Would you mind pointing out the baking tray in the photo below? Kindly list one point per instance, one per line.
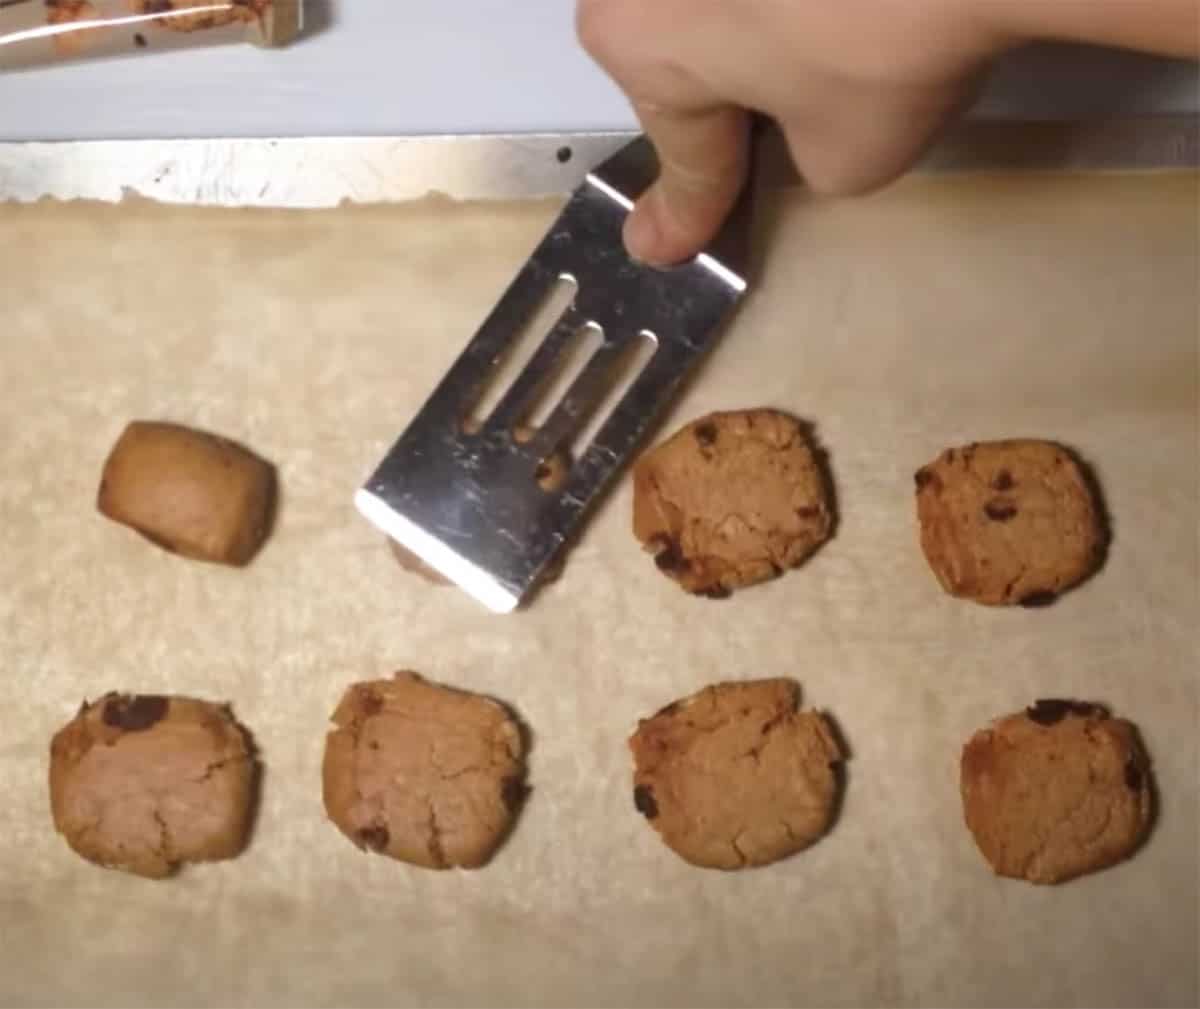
(950, 307)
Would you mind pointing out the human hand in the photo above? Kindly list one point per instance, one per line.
(859, 88)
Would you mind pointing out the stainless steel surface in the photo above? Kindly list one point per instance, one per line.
(467, 502)
(323, 172)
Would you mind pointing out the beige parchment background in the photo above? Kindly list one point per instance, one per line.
(939, 312)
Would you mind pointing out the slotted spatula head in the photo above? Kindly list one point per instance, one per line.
(464, 495)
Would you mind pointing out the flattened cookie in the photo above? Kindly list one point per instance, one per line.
(1056, 791)
(193, 493)
(730, 500)
(1008, 522)
(144, 783)
(423, 773)
(736, 775)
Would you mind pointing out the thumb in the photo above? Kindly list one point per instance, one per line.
(703, 156)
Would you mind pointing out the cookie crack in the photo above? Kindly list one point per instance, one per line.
(437, 852)
(455, 775)
(1044, 842)
(218, 765)
(737, 849)
(461, 772)
(1015, 578)
(164, 847)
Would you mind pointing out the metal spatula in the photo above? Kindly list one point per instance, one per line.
(465, 496)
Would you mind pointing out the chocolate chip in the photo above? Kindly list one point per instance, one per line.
(808, 512)
(139, 40)
(715, 592)
(923, 477)
(1000, 511)
(643, 802)
(513, 792)
(1133, 775)
(670, 709)
(375, 838)
(372, 703)
(157, 6)
(706, 433)
(1048, 711)
(134, 713)
(1003, 480)
(667, 557)
(1038, 599)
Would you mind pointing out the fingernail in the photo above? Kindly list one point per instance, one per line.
(642, 237)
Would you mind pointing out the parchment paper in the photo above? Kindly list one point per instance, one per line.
(938, 312)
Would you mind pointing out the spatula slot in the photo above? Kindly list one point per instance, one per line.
(574, 357)
(516, 354)
(627, 362)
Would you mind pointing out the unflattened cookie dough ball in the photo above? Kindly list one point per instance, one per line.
(1007, 522)
(423, 773)
(193, 493)
(1056, 791)
(736, 775)
(730, 500)
(145, 783)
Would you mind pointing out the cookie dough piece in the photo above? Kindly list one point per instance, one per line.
(1056, 791)
(736, 775)
(423, 773)
(1008, 522)
(193, 17)
(193, 493)
(61, 12)
(414, 565)
(144, 783)
(730, 500)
